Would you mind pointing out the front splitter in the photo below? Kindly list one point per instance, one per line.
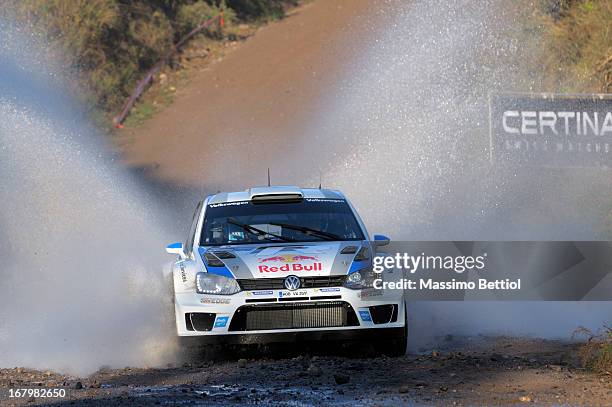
(291, 337)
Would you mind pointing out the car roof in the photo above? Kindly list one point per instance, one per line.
(247, 195)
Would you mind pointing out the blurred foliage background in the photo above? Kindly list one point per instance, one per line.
(111, 43)
(577, 44)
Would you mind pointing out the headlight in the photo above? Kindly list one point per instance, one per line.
(207, 283)
(361, 279)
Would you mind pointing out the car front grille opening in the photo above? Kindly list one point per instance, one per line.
(326, 297)
(199, 321)
(289, 299)
(279, 283)
(384, 314)
(260, 300)
(293, 316)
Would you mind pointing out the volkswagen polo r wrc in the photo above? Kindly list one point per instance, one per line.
(280, 264)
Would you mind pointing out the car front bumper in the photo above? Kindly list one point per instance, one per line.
(278, 315)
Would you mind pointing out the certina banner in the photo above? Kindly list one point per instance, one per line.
(555, 271)
(551, 130)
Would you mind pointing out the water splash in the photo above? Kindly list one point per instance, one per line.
(80, 244)
(406, 138)
(409, 127)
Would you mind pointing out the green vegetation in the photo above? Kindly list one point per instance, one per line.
(596, 353)
(250, 9)
(577, 44)
(111, 43)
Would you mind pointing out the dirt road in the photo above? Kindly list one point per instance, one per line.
(466, 371)
(237, 116)
(233, 121)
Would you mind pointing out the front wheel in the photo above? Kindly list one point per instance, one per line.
(396, 347)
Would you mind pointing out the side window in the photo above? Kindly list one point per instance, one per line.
(192, 229)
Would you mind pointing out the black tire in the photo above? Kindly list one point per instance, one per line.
(191, 350)
(397, 347)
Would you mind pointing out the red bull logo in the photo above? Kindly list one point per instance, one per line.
(292, 263)
(291, 267)
(288, 258)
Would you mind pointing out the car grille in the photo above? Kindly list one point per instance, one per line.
(279, 283)
(293, 316)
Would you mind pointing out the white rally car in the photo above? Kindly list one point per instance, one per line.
(277, 264)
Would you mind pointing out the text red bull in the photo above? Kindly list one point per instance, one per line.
(291, 267)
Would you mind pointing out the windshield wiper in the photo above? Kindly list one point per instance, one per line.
(309, 231)
(257, 232)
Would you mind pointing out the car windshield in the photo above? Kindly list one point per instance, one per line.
(308, 220)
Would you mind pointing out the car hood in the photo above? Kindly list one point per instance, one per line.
(277, 261)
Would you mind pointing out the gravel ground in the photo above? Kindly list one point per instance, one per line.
(464, 371)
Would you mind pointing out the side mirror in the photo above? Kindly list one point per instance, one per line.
(381, 240)
(176, 248)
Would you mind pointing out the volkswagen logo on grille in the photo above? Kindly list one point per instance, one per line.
(292, 283)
